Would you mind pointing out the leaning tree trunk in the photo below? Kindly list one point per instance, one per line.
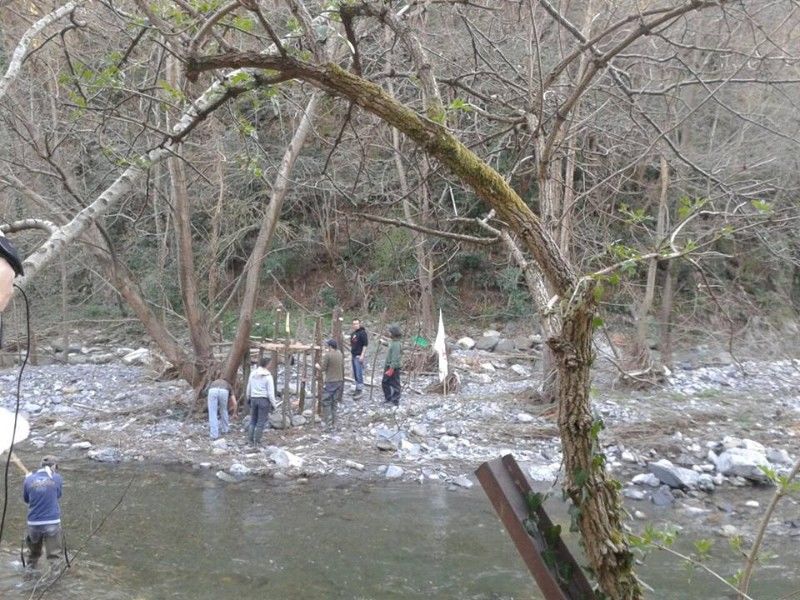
(599, 511)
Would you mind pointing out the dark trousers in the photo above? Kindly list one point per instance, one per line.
(391, 387)
(331, 394)
(48, 536)
(259, 415)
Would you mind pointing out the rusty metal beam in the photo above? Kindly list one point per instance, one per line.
(532, 532)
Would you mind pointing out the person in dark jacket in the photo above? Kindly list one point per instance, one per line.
(391, 368)
(359, 340)
(41, 491)
(10, 267)
(332, 367)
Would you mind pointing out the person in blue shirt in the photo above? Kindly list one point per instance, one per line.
(41, 492)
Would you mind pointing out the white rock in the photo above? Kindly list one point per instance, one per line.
(639, 515)
(284, 459)
(393, 472)
(466, 342)
(220, 443)
(524, 417)
(138, 357)
(744, 463)
(646, 479)
(673, 476)
(488, 367)
(628, 456)
(633, 494)
(520, 370)
(779, 457)
(753, 445)
(544, 472)
(752, 503)
(463, 481)
(81, 445)
(351, 464)
(728, 531)
(491, 333)
(226, 477)
(239, 470)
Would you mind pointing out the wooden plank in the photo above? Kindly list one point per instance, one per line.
(555, 570)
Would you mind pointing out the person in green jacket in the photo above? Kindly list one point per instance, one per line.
(391, 368)
(333, 368)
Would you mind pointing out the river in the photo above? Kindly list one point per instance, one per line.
(184, 534)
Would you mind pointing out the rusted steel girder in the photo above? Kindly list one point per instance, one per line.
(556, 572)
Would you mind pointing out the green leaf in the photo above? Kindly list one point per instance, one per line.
(597, 322)
(459, 104)
(762, 206)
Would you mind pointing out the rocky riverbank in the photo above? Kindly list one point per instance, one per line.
(708, 431)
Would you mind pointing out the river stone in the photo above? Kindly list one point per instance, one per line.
(454, 428)
(351, 464)
(388, 439)
(488, 367)
(298, 420)
(646, 479)
(110, 455)
(705, 483)
(505, 345)
(674, 477)
(466, 342)
(81, 445)
(239, 470)
(752, 504)
(728, 531)
(487, 342)
(633, 494)
(30, 407)
(393, 472)
(779, 457)
(743, 463)
(544, 472)
(220, 443)
(419, 430)
(284, 459)
(276, 420)
(463, 481)
(662, 496)
(226, 477)
(524, 417)
(138, 357)
(520, 370)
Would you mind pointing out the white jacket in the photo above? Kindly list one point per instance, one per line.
(260, 385)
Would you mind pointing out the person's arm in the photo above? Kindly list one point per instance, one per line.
(25, 496)
(365, 340)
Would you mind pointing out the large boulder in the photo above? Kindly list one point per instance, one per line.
(284, 459)
(487, 343)
(744, 463)
(505, 345)
(673, 476)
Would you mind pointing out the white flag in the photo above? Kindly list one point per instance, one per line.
(441, 348)
(7, 432)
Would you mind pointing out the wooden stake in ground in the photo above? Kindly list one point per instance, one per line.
(377, 350)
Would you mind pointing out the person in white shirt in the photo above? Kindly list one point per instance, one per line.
(261, 396)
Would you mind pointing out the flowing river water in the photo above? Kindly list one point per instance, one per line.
(184, 534)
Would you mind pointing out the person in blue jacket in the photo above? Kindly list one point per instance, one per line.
(42, 491)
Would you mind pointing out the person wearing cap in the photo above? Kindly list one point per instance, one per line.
(42, 492)
(391, 368)
(332, 366)
(261, 395)
(10, 267)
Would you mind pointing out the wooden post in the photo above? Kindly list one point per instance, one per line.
(316, 376)
(301, 381)
(286, 374)
(336, 326)
(273, 367)
(33, 355)
(377, 342)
